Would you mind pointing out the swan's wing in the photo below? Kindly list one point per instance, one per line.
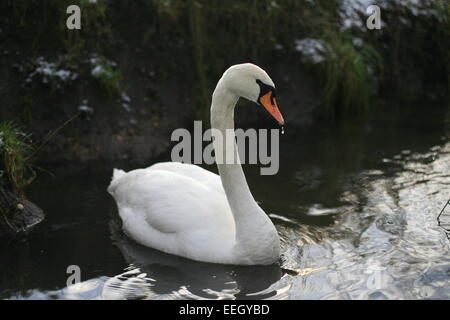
(201, 175)
(170, 202)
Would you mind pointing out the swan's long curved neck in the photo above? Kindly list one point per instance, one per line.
(249, 218)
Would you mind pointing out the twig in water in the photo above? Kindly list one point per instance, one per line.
(442, 211)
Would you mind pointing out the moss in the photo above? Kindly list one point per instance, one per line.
(108, 76)
(15, 169)
(346, 75)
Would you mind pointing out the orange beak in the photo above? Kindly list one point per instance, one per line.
(270, 104)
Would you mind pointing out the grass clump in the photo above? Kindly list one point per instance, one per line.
(346, 75)
(15, 169)
(108, 76)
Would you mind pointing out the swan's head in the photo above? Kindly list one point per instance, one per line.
(253, 83)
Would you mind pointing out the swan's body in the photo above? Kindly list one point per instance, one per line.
(188, 211)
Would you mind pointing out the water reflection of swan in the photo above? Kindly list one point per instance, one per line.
(154, 274)
(185, 210)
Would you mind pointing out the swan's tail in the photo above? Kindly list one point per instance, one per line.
(117, 173)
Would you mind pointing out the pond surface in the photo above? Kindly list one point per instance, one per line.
(355, 203)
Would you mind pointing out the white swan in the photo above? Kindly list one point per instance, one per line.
(188, 211)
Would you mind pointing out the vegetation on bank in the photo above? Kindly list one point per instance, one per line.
(17, 214)
(15, 174)
(15, 150)
(197, 39)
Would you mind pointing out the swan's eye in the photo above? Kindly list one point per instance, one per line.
(264, 89)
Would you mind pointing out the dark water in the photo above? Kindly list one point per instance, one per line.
(356, 205)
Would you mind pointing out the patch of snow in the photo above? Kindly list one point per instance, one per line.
(125, 97)
(278, 46)
(312, 49)
(86, 109)
(94, 60)
(98, 65)
(126, 106)
(49, 71)
(126, 101)
(350, 10)
(97, 71)
(358, 42)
